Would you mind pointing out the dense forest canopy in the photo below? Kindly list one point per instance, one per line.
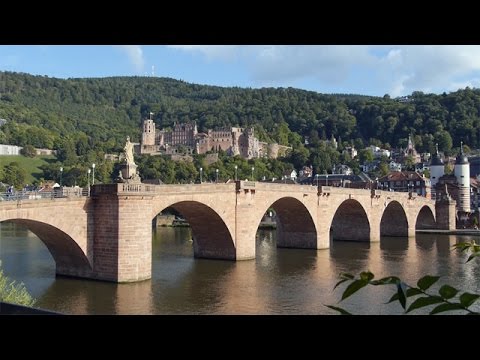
(84, 118)
(43, 109)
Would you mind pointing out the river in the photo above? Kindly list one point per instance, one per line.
(278, 281)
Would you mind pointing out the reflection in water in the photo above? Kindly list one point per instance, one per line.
(279, 281)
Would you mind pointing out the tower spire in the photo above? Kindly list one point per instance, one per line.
(436, 148)
(461, 147)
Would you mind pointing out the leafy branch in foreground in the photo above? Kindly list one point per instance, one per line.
(471, 246)
(14, 293)
(447, 299)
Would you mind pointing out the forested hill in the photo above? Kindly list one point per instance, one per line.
(99, 113)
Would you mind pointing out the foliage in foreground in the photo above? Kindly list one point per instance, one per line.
(14, 293)
(448, 298)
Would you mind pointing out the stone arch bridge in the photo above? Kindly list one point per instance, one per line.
(108, 236)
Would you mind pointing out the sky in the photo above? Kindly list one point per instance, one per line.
(352, 69)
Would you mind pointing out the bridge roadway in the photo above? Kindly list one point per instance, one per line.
(108, 236)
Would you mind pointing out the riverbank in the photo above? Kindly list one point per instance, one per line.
(449, 232)
(14, 309)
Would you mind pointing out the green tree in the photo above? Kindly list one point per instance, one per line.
(14, 293)
(409, 163)
(383, 167)
(14, 175)
(28, 151)
(365, 155)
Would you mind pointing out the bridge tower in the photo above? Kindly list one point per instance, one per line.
(445, 209)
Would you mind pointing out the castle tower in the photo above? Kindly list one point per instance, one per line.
(437, 170)
(462, 173)
(148, 134)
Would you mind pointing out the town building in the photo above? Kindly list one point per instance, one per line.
(405, 181)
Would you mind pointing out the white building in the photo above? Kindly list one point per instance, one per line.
(10, 149)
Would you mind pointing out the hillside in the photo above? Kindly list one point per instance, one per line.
(31, 165)
(84, 114)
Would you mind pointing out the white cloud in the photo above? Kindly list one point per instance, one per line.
(398, 70)
(330, 64)
(211, 52)
(432, 68)
(135, 55)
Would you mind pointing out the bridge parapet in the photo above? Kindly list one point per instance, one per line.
(122, 188)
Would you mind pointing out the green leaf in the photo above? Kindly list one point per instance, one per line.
(353, 288)
(472, 256)
(402, 298)
(393, 298)
(413, 292)
(409, 292)
(425, 282)
(446, 307)
(386, 281)
(340, 310)
(467, 299)
(462, 246)
(447, 292)
(424, 301)
(366, 276)
(340, 282)
(346, 276)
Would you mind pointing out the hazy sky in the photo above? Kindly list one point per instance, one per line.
(369, 70)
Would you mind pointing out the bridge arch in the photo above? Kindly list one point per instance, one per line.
(69, 257)
(211, 235)
(350, 222)
(295, 225)
(425, 219)
(394, 220)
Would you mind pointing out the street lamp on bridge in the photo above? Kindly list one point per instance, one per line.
(253, 169)
(236, 167)
(93, 174)
(201, 169)
(216, 175)
(61, 175)
(88, 180)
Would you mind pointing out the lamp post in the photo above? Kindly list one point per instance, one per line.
(88, 181)
(61, 175)
(326, 181)
(316, 177)
(216, 175)
(201, 169)
(93, 174)
(253, 169)
(236, 167)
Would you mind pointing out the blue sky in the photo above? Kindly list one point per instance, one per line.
(370, 70)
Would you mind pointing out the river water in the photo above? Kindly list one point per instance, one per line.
(278, 281)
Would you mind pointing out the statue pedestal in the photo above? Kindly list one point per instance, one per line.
(128, 174)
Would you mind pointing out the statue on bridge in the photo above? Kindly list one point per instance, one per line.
(128, 169)
(128, 152)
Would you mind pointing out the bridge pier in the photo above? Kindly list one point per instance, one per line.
(445, 210)
(122, 235)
